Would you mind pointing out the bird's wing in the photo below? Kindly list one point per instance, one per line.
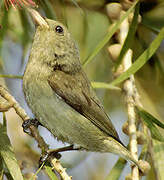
(78, 93)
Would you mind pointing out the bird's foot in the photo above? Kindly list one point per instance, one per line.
(55, 153)
(46, 156)
(30, 122)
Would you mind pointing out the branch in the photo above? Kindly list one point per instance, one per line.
(129, 89)
(128, 85)
(41, 143)
(57, 166)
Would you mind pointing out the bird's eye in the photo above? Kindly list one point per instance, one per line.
(59, 29)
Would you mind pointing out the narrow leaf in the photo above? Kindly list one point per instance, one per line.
(129, 39)
(146, 55)
(155, 58)
(103, 85)
(153, 129)
(109, 35)
(116, 170)
(10, 76)
(150, 117)
(50, 173)
(7, 154)
(35, 175)
(3, 25)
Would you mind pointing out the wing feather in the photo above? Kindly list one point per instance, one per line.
(78, 93)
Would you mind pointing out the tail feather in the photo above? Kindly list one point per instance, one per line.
(119, 149)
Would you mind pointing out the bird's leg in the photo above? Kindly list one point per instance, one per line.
(66, 148)
(30, 122)
(55, 153)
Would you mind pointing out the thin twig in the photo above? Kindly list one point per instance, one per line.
(4, 105)
(57, 166)
(128, 87)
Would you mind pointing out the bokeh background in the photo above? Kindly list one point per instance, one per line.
(88, 23)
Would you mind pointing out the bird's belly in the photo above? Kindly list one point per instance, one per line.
(62, 120)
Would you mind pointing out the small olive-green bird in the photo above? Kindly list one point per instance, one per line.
(61, 97)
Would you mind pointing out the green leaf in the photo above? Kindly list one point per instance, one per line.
(146, 55)
(11, 76)
(155, 58)
(116, 170)
(50, 173)
(103, 85)
(150, 117)
(129, 39)
(109, 35)
(7, 154)
(150, 124)
(35, 175)
(4, 24)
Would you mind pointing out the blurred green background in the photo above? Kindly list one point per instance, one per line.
(88, 23)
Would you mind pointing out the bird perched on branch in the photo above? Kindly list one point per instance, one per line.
(61, 97)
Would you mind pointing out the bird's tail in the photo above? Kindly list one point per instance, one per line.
(117, 148)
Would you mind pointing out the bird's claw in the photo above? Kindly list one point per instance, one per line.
(55, 153)
(27, 123)
(45, 157)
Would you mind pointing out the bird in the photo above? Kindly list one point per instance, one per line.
(61, 97)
